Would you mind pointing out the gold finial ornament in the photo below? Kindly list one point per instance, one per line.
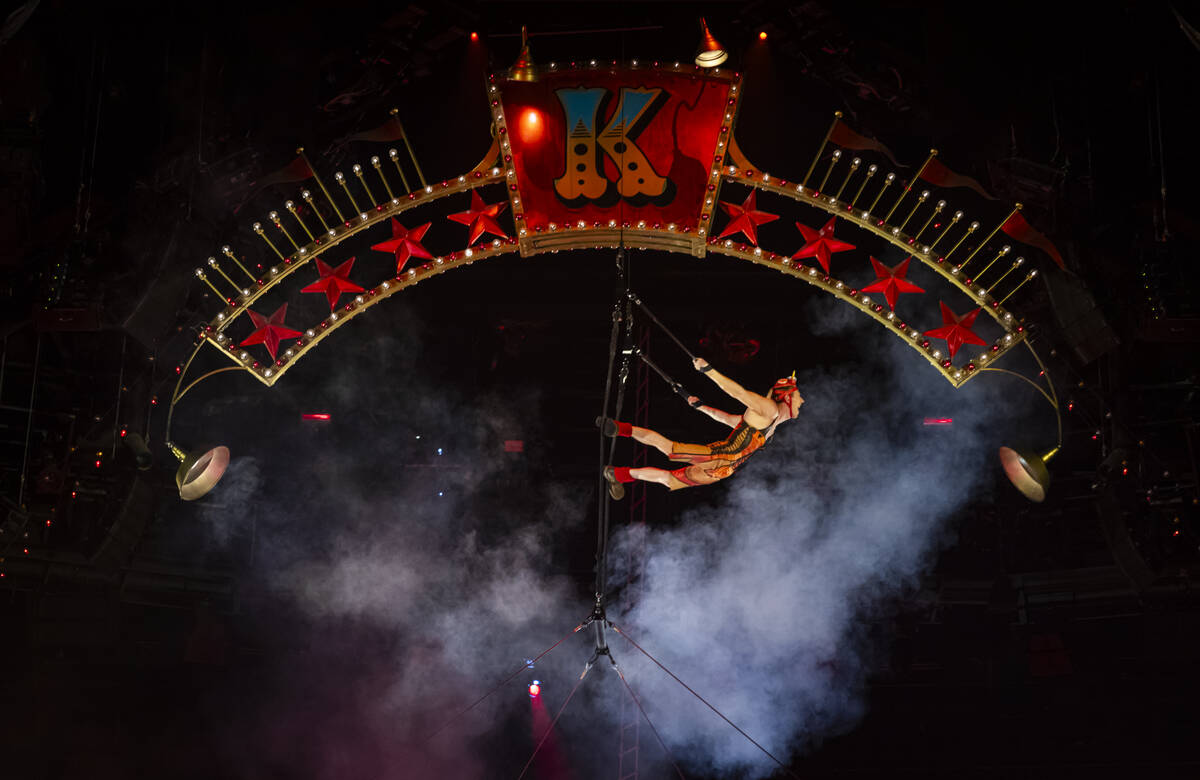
(711, 53)
(523, 69)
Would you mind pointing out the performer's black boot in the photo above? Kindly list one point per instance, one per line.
(615, 488)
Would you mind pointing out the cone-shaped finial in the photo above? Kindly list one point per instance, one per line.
(711, 53)
(1027, 471)
(523, 69)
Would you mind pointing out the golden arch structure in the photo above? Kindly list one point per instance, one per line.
(593, 155)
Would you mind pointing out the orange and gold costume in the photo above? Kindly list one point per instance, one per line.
(708, 463)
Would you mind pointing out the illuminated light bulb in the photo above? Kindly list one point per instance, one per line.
(245, 291)
(895, 231)
(469, 252)
(358, 299)
(332, 233)
(356, 168)
(256, 227)
(273, 216)
(837, 154)
(958, 215)
(338, 177)
(925, 195)
(891, 177)
(937, 354)
(973, 226)
(362, 217)
(394, 154)
(941, 204)
(220, 337)
(866, 215)
(200, 272)
(268, 372)
(303, 251)
(762, 36)
(220, 316)
(290, 205)
(310, 333)
(212, 261)
(386, 286)
(333, 316)
(244, 356)
(1005, 250)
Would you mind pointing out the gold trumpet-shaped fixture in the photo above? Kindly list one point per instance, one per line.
(523, 69)
(711, 53)
(199, 473)
(1027, 471)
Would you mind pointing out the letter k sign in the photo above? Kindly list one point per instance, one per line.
(583, 181)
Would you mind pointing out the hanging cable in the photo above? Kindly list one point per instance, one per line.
(688, 688)
(649, 723)
(506, 680)
(557, 715)
(658, 322)
(676, 387)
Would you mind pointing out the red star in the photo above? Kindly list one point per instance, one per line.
(956, 330)
(333, 282)
(745, 218)
(820, 243)
(405, 243)
(481, 217)
(891, 281)
(270, 331)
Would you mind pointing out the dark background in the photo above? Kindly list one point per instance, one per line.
(1050, 640)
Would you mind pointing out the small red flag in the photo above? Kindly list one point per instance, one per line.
(388, 131)
(1016, 227)
(297, 170)
(940, 176)
(843, 136)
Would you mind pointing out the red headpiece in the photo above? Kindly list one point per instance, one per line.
(784, 387)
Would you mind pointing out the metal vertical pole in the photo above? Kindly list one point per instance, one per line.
(630, 724)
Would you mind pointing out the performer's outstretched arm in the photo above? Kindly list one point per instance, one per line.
(722, 417)
(754, 402)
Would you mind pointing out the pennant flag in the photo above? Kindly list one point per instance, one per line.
(1193, 35)
(940, 176)
(297, 170)
(843, 136)
(1016, 227)
(388, 131)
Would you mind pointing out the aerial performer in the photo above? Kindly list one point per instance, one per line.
(709, 463)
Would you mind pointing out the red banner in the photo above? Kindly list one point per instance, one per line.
(617, 145)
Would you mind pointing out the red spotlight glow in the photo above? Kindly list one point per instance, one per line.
(762, 36)
(939, 420)
(532, 127)
(535, 689)
(315, 416)
(474, 36)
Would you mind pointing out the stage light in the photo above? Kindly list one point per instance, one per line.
(535, 689)
(315, 416)
(199, 474)
(474, 36)
(531, 126)
(141, 453)
(1027, 471)
(939, 420)
(762, 36)
(711, 53)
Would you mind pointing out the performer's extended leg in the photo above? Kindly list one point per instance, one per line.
(673, 480)
(638, 434)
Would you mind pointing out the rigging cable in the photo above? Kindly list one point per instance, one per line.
(649, 722)
(721, 715)
(557, 715)
(506, 680)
